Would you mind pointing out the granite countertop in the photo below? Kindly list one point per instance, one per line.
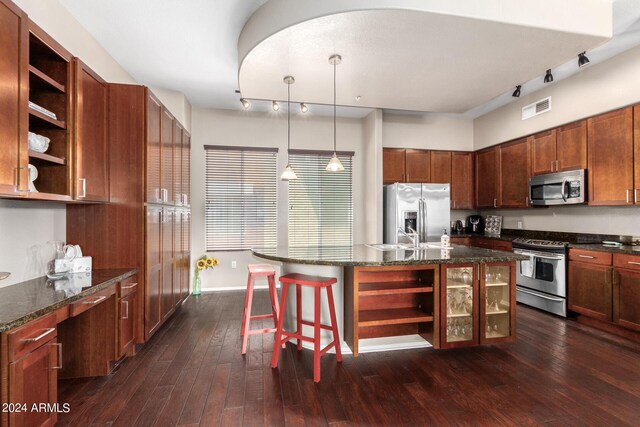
(28, 300)
(627, 249)
(363, 255)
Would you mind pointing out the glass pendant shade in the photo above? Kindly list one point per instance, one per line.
(288, 173)
(334, 164)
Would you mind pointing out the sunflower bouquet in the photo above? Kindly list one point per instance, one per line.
(203, 263)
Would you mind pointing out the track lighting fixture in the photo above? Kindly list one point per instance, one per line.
(516, 93)
(548, 78)
(245, 103)
(303, 107)
(582, 59)
(275, 105)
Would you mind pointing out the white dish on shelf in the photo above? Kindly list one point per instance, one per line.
(33, 175)
(38, 143)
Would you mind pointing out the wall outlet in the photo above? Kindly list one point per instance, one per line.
(519, 225)
(234, 264)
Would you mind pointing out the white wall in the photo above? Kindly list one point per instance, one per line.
(372, 126)
(427, 131)
(241, 128)
(596, 89)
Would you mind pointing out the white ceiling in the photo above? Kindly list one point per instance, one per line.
(191, 47)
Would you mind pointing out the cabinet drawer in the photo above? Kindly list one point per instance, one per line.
(30, 336)
(128, 286)
(591, 257)
(501, 245)
(631, 262)
(89, 302)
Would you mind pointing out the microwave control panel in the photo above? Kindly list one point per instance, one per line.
(574, 189)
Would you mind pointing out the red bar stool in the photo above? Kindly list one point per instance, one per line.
(259, 270)
(282, 336)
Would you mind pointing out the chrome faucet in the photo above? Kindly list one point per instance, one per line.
(414, 237)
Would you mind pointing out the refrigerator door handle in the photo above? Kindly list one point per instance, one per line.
(423, 220)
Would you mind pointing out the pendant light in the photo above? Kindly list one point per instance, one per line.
(334, 164)
(288, 173)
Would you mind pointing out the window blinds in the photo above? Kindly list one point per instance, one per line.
(320, 202)
(240, 197)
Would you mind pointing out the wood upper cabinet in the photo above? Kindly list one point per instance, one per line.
(153, 124)
(186, 167)
(462, 188)
(178, 197)
(440, 167)
(514, 174)
(418, 166)
(487, 177)
(636, 155)
(91, 148)
(14, 97)
(610, 158)
(393, 165)
(571, 151)
(166, 150)
(543, 152)
(589, 289)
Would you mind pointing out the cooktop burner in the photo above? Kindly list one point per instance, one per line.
(539, 244)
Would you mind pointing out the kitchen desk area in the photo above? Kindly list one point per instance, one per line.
(75, 328)
(392, 297)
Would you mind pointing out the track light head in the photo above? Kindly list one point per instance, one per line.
(303, 108)
(245, 103)
(582, 59)
(548, 78)
(516, 93)
(275, 105)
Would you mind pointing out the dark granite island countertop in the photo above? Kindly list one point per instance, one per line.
(365, 255)
(29, 300)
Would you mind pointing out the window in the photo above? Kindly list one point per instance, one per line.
(320, 202)
(240, 197)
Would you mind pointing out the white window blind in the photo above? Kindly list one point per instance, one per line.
(240, 197)
(320, 202)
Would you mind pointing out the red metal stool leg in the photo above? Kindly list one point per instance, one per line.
(334, 324)
(273, 296)
(299, 314)
(247, 316)
(246, 301)
(278, 340)
(316, 335)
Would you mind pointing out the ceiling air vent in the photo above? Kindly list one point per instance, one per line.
(536, 108)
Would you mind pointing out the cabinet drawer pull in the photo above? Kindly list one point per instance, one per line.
(39, 337)
(526, 201)
(96, 301)
(633, 262)
(126, 316)
(635, 195)
(454, 204)
(133, 285)
(495, 203)
(83, 186)
(551, 165)
(627, 194)
(587, 256)
(557, 165)
(59, 345)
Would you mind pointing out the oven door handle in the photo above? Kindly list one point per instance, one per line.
(538, 255)
(536, 294)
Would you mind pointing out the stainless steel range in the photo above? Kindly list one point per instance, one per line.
(541, 281)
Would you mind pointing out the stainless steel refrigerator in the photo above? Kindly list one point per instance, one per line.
(424, 208)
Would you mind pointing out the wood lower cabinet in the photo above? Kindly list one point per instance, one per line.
(610, 158)
(390, 301)
(497, 302)
(589, 288)
(91, 147)
(459, 305)
(167, 301)
(14, 97)
(418, 166)
(626, 297)
(153, 290)
(33, 380)
(487, 178)
(462, 181)
(515, 166)
(127, 306)
(636, 154)
(393, 165)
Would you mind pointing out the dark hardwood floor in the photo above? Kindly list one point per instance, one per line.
(192, 373)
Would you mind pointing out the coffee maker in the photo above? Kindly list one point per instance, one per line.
(475, 224)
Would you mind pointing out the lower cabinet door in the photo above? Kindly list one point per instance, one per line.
(127, 323)
(33, 380)
(459, 306)
(626, 298)
(589, 291)
(497, 302)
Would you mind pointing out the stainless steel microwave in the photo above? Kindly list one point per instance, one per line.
(559, 188)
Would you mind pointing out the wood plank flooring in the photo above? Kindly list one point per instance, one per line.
(192, 373)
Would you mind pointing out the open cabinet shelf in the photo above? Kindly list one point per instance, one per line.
(392, 288)
(39, 80)
(47, 158)
(392, 316)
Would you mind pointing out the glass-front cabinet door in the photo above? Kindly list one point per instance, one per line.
(497, 302)
(459, 306)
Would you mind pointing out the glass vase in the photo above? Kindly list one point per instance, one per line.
(197, 285)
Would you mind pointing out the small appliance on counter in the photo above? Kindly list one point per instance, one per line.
(493, 225)
(457, 227)
(475, 224)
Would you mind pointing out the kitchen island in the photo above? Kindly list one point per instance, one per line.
(391, 298)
